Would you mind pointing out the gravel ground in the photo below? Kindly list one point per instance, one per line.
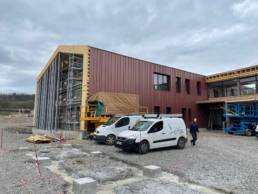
(219, 160)
(18, 174)
(153, 187)
(100, 168)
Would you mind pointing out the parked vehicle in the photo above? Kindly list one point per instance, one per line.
(102, 106)
(151, 133)
(108, 132)
(256, 131)
(241, 119)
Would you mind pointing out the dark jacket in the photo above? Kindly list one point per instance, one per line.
(194, 128)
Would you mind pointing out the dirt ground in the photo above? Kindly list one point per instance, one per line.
(222, 162)
(15, 120)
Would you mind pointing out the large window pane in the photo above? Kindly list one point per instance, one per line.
(230, 88)
(155, 79)
(247, 85)
(187, 86)
(247, 88)
(215, 90)
(161, 81)
(178, 84)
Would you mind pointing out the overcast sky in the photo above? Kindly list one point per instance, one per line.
(201, 36)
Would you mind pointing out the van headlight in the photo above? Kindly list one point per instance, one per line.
(131, 140)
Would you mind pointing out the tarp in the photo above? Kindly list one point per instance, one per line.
(117, 103)
(38, 139)
(41, 139)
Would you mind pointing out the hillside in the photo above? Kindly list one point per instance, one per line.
(13, 102)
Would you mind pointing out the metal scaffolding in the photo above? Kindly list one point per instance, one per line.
(58, 96)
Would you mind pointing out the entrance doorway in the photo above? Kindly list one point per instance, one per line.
(216, 118)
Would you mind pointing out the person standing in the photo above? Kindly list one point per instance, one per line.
(194, 130)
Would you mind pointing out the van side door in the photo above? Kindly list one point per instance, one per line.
(121, 125)
(157, 135)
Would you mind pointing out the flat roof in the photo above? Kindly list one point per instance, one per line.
(237, 73)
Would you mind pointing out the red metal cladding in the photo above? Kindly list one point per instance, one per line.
(112, 72)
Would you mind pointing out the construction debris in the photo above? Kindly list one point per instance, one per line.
(41, 139)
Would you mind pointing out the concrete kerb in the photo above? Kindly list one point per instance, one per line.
(46, 161)
(42, 160)
(96, 153)
(44, 151)
(85, 185)
(151, 171)
(67, 146)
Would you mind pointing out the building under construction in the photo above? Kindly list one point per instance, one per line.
(74, 73)
(232, 101)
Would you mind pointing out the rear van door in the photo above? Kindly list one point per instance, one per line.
(172, 126)
(179, 128)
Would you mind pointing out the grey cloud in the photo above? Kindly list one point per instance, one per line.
(197, 36)
(246, 8)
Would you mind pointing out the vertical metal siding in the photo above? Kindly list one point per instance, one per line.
(112, 72)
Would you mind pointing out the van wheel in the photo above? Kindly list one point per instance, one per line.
(110, 140)
(144, 147)
(181, 143)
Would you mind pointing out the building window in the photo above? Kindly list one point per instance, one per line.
(215, 90)
(178, 84)
(198, 88)
(187, 86)
(247, 85)
(168, 110)
(156, 110)
(230, 88)
(161, 81)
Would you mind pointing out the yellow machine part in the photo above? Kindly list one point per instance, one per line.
(95, 119)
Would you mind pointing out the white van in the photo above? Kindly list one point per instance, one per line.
(108, 132)
(153, 133)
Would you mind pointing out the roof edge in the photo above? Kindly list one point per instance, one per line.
(154, 63)
(78, 49)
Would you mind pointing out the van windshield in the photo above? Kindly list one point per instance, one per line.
(111, 121)
(142, 126)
